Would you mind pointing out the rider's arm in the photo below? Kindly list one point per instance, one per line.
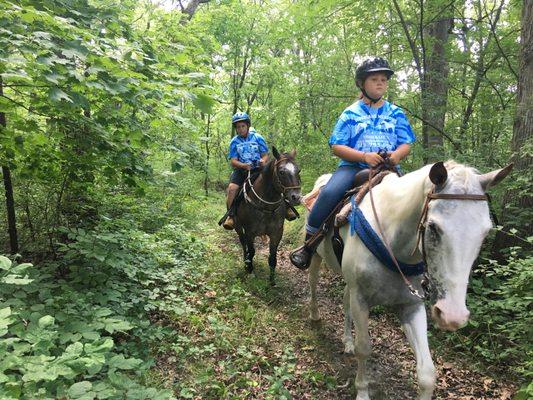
(264, 159)
(400, 153)
(235, 163)
(349, 154)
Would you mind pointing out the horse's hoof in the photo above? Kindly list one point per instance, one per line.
(314, 316)
(349, 348)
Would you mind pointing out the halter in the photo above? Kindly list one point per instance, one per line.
(422, 222)
(421, 227)
(277, 182)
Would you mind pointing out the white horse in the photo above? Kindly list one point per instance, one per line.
(455, 231)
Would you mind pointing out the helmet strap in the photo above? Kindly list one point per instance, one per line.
(372, 99)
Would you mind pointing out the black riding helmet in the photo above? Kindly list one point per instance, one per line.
(368, 67)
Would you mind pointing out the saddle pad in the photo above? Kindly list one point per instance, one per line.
(309, 199)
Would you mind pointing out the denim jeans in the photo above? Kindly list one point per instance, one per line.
(330, 195)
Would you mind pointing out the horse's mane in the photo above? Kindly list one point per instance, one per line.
(288, 156)
(462, 175)
(461, 178)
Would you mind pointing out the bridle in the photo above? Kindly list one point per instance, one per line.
(421, 228)
(282, 189)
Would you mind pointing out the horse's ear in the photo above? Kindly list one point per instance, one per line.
(493, 178)
(275, 152)
(292, 154)
(438, 174)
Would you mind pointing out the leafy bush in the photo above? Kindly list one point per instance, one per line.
(500, 328)
(79, 327)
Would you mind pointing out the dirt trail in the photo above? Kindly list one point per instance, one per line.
(392, 364)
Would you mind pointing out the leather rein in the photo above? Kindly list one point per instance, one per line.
(421, 228)
(277, 182)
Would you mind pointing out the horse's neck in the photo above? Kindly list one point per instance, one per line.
(399, 203)
(264, 186)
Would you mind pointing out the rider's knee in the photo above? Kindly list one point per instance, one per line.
(232, 187)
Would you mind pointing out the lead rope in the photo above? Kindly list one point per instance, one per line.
(411, 288)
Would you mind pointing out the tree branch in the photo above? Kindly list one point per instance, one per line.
(412, 45)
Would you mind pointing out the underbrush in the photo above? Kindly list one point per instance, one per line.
(85, 326)
(498, 336)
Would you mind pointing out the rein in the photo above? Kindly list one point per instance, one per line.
(277, 182)
(421, 226)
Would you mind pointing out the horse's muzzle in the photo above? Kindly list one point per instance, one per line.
(294, 198)
(448, 318)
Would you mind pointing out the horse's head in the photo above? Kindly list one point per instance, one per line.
(455, 229)
(286, 176)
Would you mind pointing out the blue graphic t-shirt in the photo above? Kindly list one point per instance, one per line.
(248, 150)
(369, 129)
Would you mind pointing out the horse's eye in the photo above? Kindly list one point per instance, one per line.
(434, 230)
(282, 172)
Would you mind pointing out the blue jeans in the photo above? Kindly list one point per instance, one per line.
(330, 195)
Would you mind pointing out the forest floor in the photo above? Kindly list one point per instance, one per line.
(261, 345)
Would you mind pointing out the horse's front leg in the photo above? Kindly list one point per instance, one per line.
(250, 253)
(242, 239)
(273, 244)
(359, 311)
(414, 323)
(314, 274)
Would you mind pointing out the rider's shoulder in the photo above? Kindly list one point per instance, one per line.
(353, 110)
(394, 109)
(256, 135)
(235, 139)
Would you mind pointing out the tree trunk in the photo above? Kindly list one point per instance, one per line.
(8, 186)
(518, 201)
(435, 88)
(432, 67)
(191, 7)
(207, 155)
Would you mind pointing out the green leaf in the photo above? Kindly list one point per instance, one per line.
(15, 280)
(204, 103)
(119, 362)
(45, 321)
(58, 95)
(81, 390)
(99, 346)
(114, 324)
(5, 263)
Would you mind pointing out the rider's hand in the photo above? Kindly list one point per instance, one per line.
(372, 159)
(393, 158)
(247, 167)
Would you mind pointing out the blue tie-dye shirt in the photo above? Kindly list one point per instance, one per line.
(370, 129)
(248, 150)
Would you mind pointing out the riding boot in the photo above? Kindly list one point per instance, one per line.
(233, 200)
(229, 223)
(228, 220)
(301, 257)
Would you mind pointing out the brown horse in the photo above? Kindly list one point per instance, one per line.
(262, 212)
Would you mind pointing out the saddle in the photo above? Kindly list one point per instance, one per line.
(238, 198)
(339, 216)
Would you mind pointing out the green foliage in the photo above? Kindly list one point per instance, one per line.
(87, 334)
(113, 110)
(500, 329)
